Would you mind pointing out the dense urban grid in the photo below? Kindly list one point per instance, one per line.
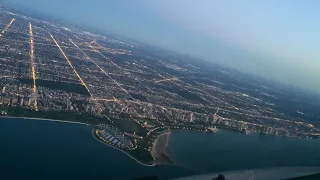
(134, 91)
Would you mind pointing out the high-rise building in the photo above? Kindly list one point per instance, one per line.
(226, 123)
(30, 101)
(269, 130)
(92, 109)
(6, 100)
(265, 130)
(14, 101)
(25, 102)
(4, 89)
(191, 117)
(215, 118)
(287, 133)
(21, 101)
(206, 119)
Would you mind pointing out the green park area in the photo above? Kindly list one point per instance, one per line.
(129, 126)
(63, 86)
(142, 155)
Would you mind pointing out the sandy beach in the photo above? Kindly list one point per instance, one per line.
(160, 149)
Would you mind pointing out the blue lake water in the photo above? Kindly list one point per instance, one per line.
(229, 150)
(51, 150)
(32, 149)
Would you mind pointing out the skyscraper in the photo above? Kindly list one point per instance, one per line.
(21, 101)
(30, 101)
(269, 130)
(191, 117)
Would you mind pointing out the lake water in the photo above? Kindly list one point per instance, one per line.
(51, 150)
(31, 149)
(229, 150)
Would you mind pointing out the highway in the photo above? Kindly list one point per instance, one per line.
(117, 83)
(33, 71)
(69, 62)
(95, 63)
(7, 27)
(169, 79)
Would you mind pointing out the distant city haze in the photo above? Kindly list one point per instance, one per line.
(275, 39)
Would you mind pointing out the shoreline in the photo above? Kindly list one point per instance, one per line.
(168, 160)
(73, 122)
(171, 162)
(148, 165)
(43, 119)
(160, 149)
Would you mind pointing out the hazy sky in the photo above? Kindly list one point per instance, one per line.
(272, 38)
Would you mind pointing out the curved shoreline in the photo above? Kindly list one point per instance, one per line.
(93, 134)
(164, 149)
(73, 122)
(160, 148)
(43, 119)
